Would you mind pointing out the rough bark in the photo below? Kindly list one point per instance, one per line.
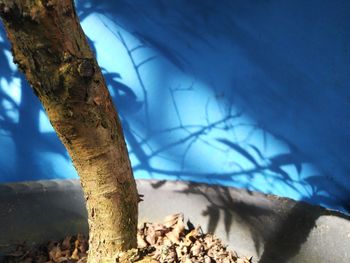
(50, 47)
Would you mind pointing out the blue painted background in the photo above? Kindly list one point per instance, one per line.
(252, 94)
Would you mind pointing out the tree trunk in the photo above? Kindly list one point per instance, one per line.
(50, 47)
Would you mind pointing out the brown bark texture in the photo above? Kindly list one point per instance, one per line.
(50, 47)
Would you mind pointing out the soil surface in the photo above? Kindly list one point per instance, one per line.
(168, 242)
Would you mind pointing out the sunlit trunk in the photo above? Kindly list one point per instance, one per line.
(50, 47)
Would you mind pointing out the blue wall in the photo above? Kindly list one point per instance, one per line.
(252, 94)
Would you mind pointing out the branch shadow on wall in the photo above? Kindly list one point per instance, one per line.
(191, 30)
(298, 219)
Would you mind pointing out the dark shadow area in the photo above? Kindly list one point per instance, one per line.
(292, 232)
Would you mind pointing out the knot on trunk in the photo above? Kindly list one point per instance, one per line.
(86, 68)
